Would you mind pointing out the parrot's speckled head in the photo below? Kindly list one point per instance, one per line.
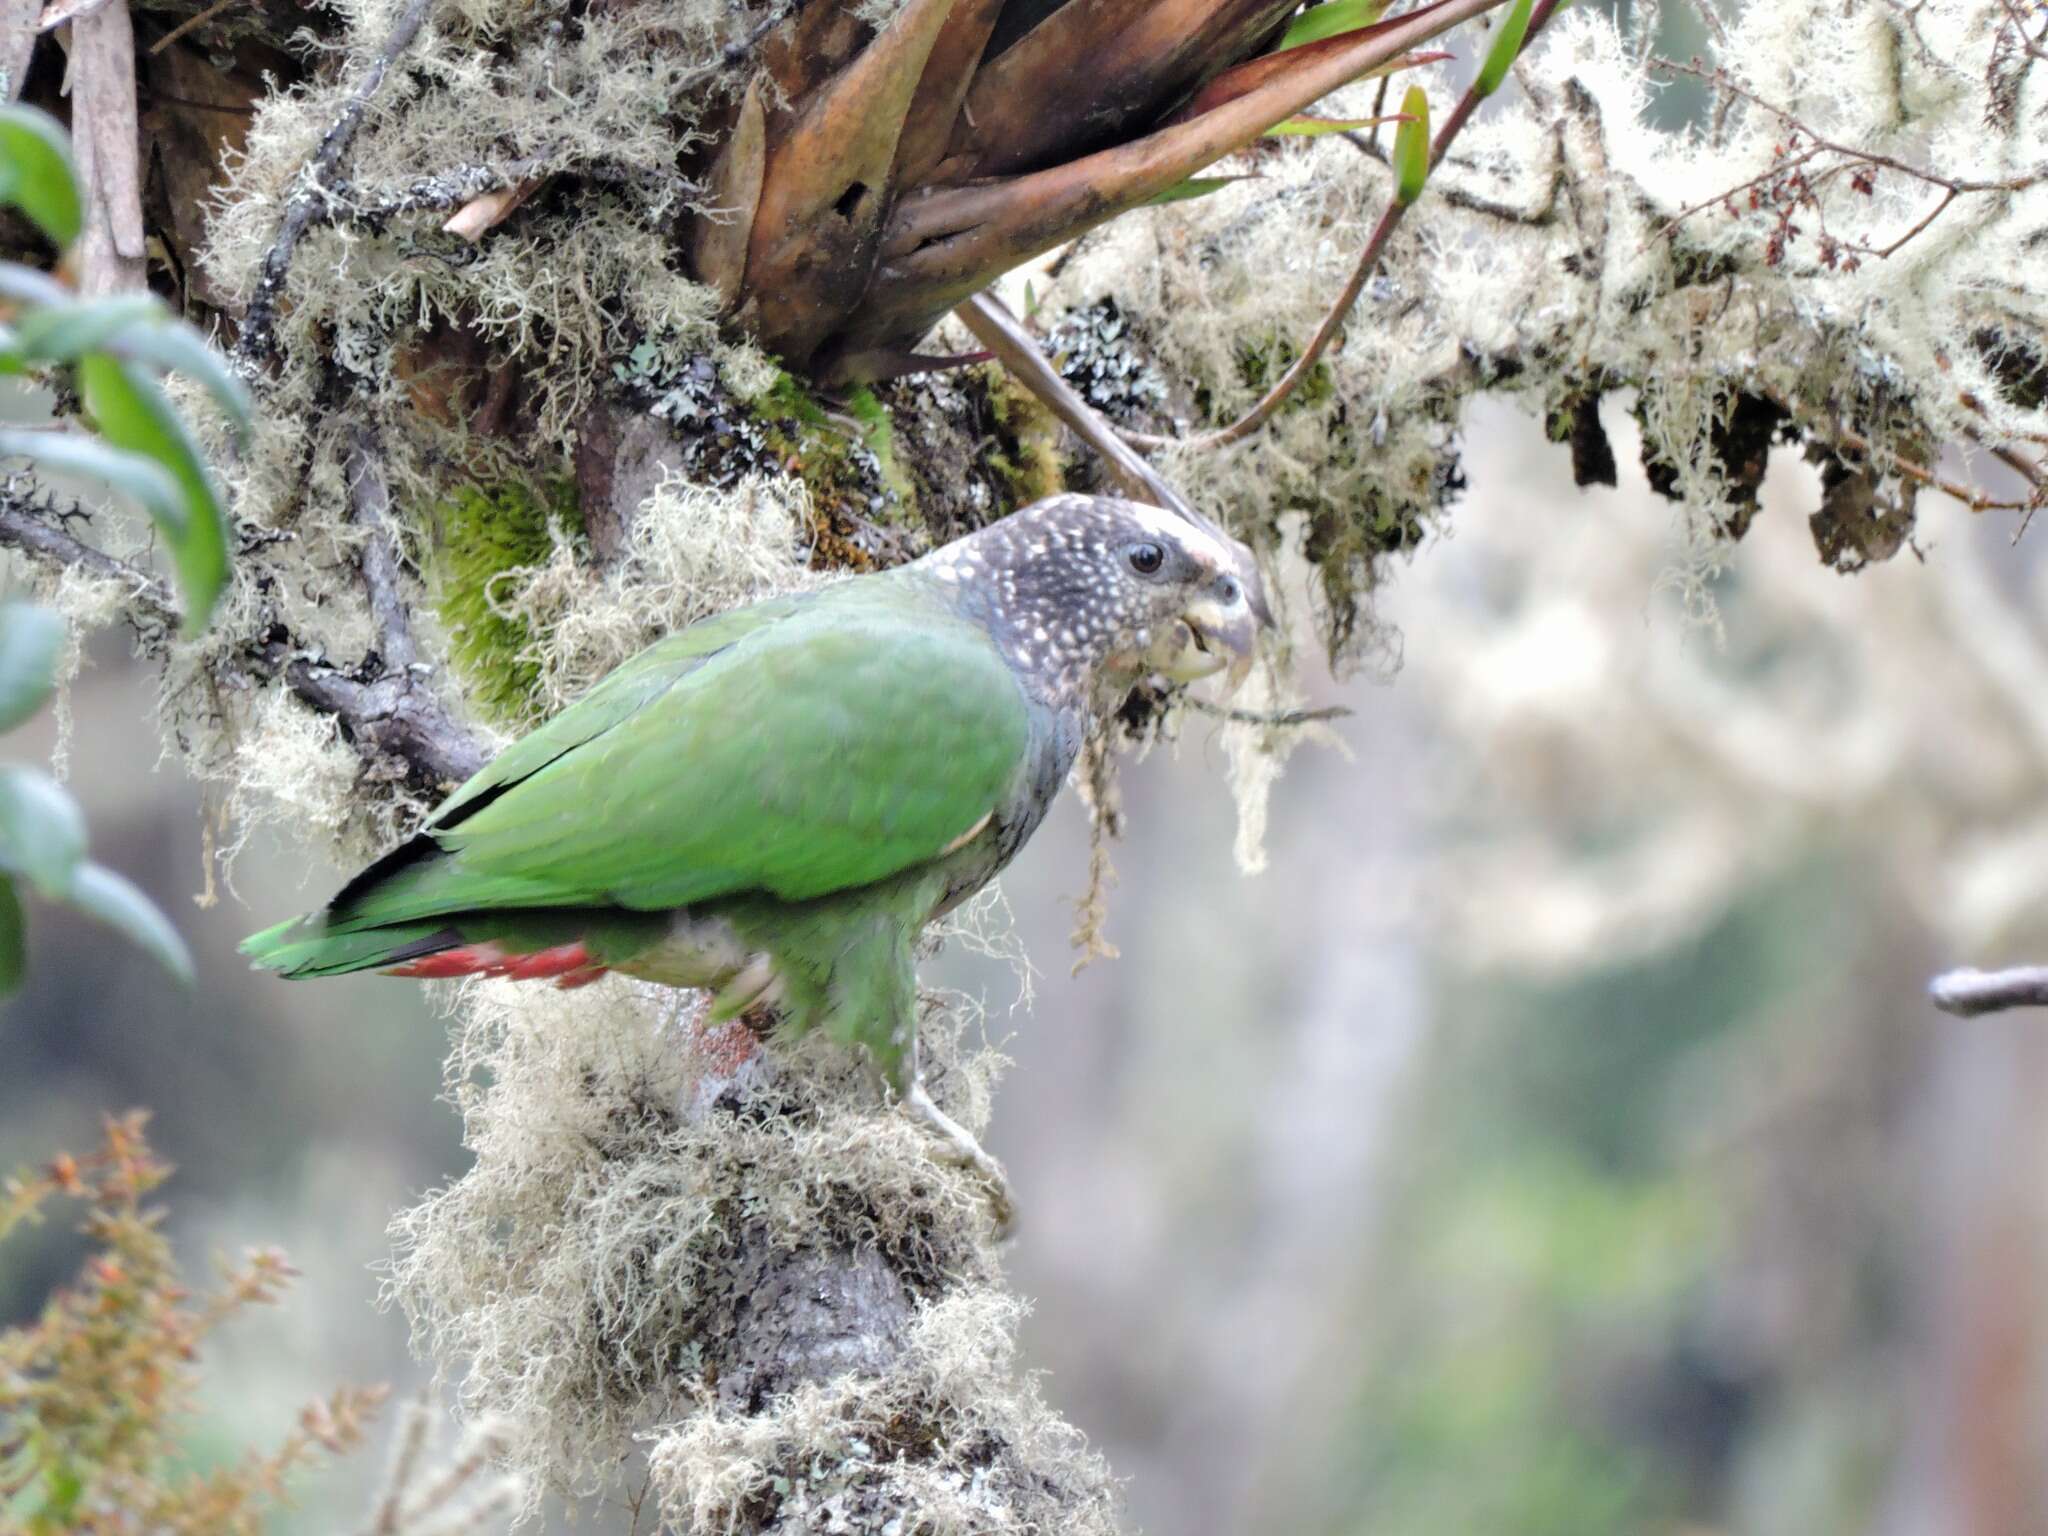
(1078, 588)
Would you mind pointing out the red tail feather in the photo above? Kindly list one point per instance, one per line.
(570, 964)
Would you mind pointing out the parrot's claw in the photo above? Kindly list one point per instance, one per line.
(957, 1145)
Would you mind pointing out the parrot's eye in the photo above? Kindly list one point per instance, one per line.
(1147, 558)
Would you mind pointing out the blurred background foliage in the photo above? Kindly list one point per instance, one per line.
(1554, 1140)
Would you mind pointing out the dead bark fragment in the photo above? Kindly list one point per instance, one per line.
(17, 43)
(726, 224)
(825, 189)
(106, 140)
(1109, 66)
(487, 210)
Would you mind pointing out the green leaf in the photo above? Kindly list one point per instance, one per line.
(58, 333)
(36, 174)
(1330, 20)
(1306, 127)
(132, 413)
(42, 830)
(30, 638)
(27, 286)
(1507, 46)
(13, 936)
(176, 347)
(1194, 186)
(119, 903)
(1411, 146)
(143, 481)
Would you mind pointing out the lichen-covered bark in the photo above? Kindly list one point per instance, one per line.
(741, 1267)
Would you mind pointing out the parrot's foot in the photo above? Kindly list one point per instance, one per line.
(957, 1145)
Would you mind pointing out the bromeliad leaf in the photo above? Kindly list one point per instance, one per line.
(36, 174)
(1321, 21)
(30, 638)
(143, 481)
(1194, 186)
(42, 830)
(132, 413)
(1507, 46)
(119, 903)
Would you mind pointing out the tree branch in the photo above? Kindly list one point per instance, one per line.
(40, 534)
(393, 714)
(259, 322)
(1968, 992)
(1003, 334)
(387, 707)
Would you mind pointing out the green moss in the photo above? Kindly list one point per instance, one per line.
(845, 454)
(1263, 363)
(480, 536)
(1025, 457)
(878, 429)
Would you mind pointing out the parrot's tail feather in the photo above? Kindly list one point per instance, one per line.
(569, 965)
(308, 947)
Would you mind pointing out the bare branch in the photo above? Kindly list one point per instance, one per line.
(1283, 719)
(370, 510)
(1786, 186)
(388, 707)
(38, 532)
(1968, 992)
(189, 24)
(259, 323)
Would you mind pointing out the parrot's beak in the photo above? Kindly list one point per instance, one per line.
(1222, 640)
(1211, 635)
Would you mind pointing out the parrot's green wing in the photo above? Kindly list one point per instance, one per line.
(849, 739)
(623, 691)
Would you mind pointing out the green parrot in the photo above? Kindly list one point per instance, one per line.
(772, 803)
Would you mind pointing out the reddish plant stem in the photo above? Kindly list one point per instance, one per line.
(1340, 311)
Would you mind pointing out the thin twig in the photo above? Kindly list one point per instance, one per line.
(1951, 187)
(24, 527)
(1843, 437)
(1281, 718)
(1340, 311)
(370, 510)
(1003, 334)
(1968, 992)
(1719, 78)
(2032, 46)
(259, 323)
(188, 24)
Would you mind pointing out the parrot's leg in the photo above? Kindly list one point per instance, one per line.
(957, 1145)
